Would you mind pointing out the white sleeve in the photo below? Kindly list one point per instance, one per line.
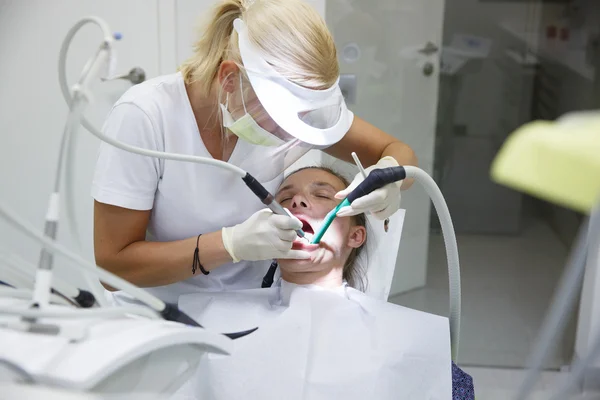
(121, 178)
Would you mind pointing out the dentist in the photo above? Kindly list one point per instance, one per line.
(260, 91)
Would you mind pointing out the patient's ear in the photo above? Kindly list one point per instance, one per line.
(357, 236)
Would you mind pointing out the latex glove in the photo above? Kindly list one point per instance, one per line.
(382, 203)
(263, 236)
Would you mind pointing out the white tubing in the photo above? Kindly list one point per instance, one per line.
(90, 268)
(62, 61)
(73, 121)
(62, 58)
(451, 250)
(168, 156)
(81, 313)
(91, 71)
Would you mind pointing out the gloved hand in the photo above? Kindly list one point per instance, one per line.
(263, 236)
(382, 203)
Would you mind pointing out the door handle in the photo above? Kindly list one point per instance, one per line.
(428, 69)
(135, 75)
(429, 49)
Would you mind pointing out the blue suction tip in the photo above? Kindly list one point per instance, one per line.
(118, 35)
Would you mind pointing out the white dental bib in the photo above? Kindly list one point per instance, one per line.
(313, 343)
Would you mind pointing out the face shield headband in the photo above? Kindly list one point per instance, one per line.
(316, 117)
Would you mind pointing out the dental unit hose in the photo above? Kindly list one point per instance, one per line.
(377, 179)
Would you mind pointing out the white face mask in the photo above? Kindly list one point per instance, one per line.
(246, 127)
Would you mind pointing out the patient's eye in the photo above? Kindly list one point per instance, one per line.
(285, 196)
(323, 195)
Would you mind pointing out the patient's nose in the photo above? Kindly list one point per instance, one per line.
(299, 201)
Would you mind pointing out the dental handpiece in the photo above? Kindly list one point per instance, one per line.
(267, 198)
(278, 209)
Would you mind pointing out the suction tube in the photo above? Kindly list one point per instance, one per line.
(377, 179)
(443, 213)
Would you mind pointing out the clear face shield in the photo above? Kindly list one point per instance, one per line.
(281, 121)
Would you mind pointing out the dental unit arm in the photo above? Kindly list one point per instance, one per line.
(378, 178)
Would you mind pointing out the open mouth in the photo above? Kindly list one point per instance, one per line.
(306, 226)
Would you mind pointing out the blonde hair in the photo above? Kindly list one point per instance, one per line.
(291, 35)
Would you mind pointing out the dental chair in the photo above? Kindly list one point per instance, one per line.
(382, 251)
(381, 254)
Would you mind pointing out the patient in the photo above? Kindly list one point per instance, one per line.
(309, 195)
(319, 337)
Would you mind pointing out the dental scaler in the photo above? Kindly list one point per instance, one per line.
(377, 179)
(267, 198)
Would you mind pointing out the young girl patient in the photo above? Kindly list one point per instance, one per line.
(318, 336)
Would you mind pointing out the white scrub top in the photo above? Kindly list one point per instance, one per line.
(186, 199)
(319, 344)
